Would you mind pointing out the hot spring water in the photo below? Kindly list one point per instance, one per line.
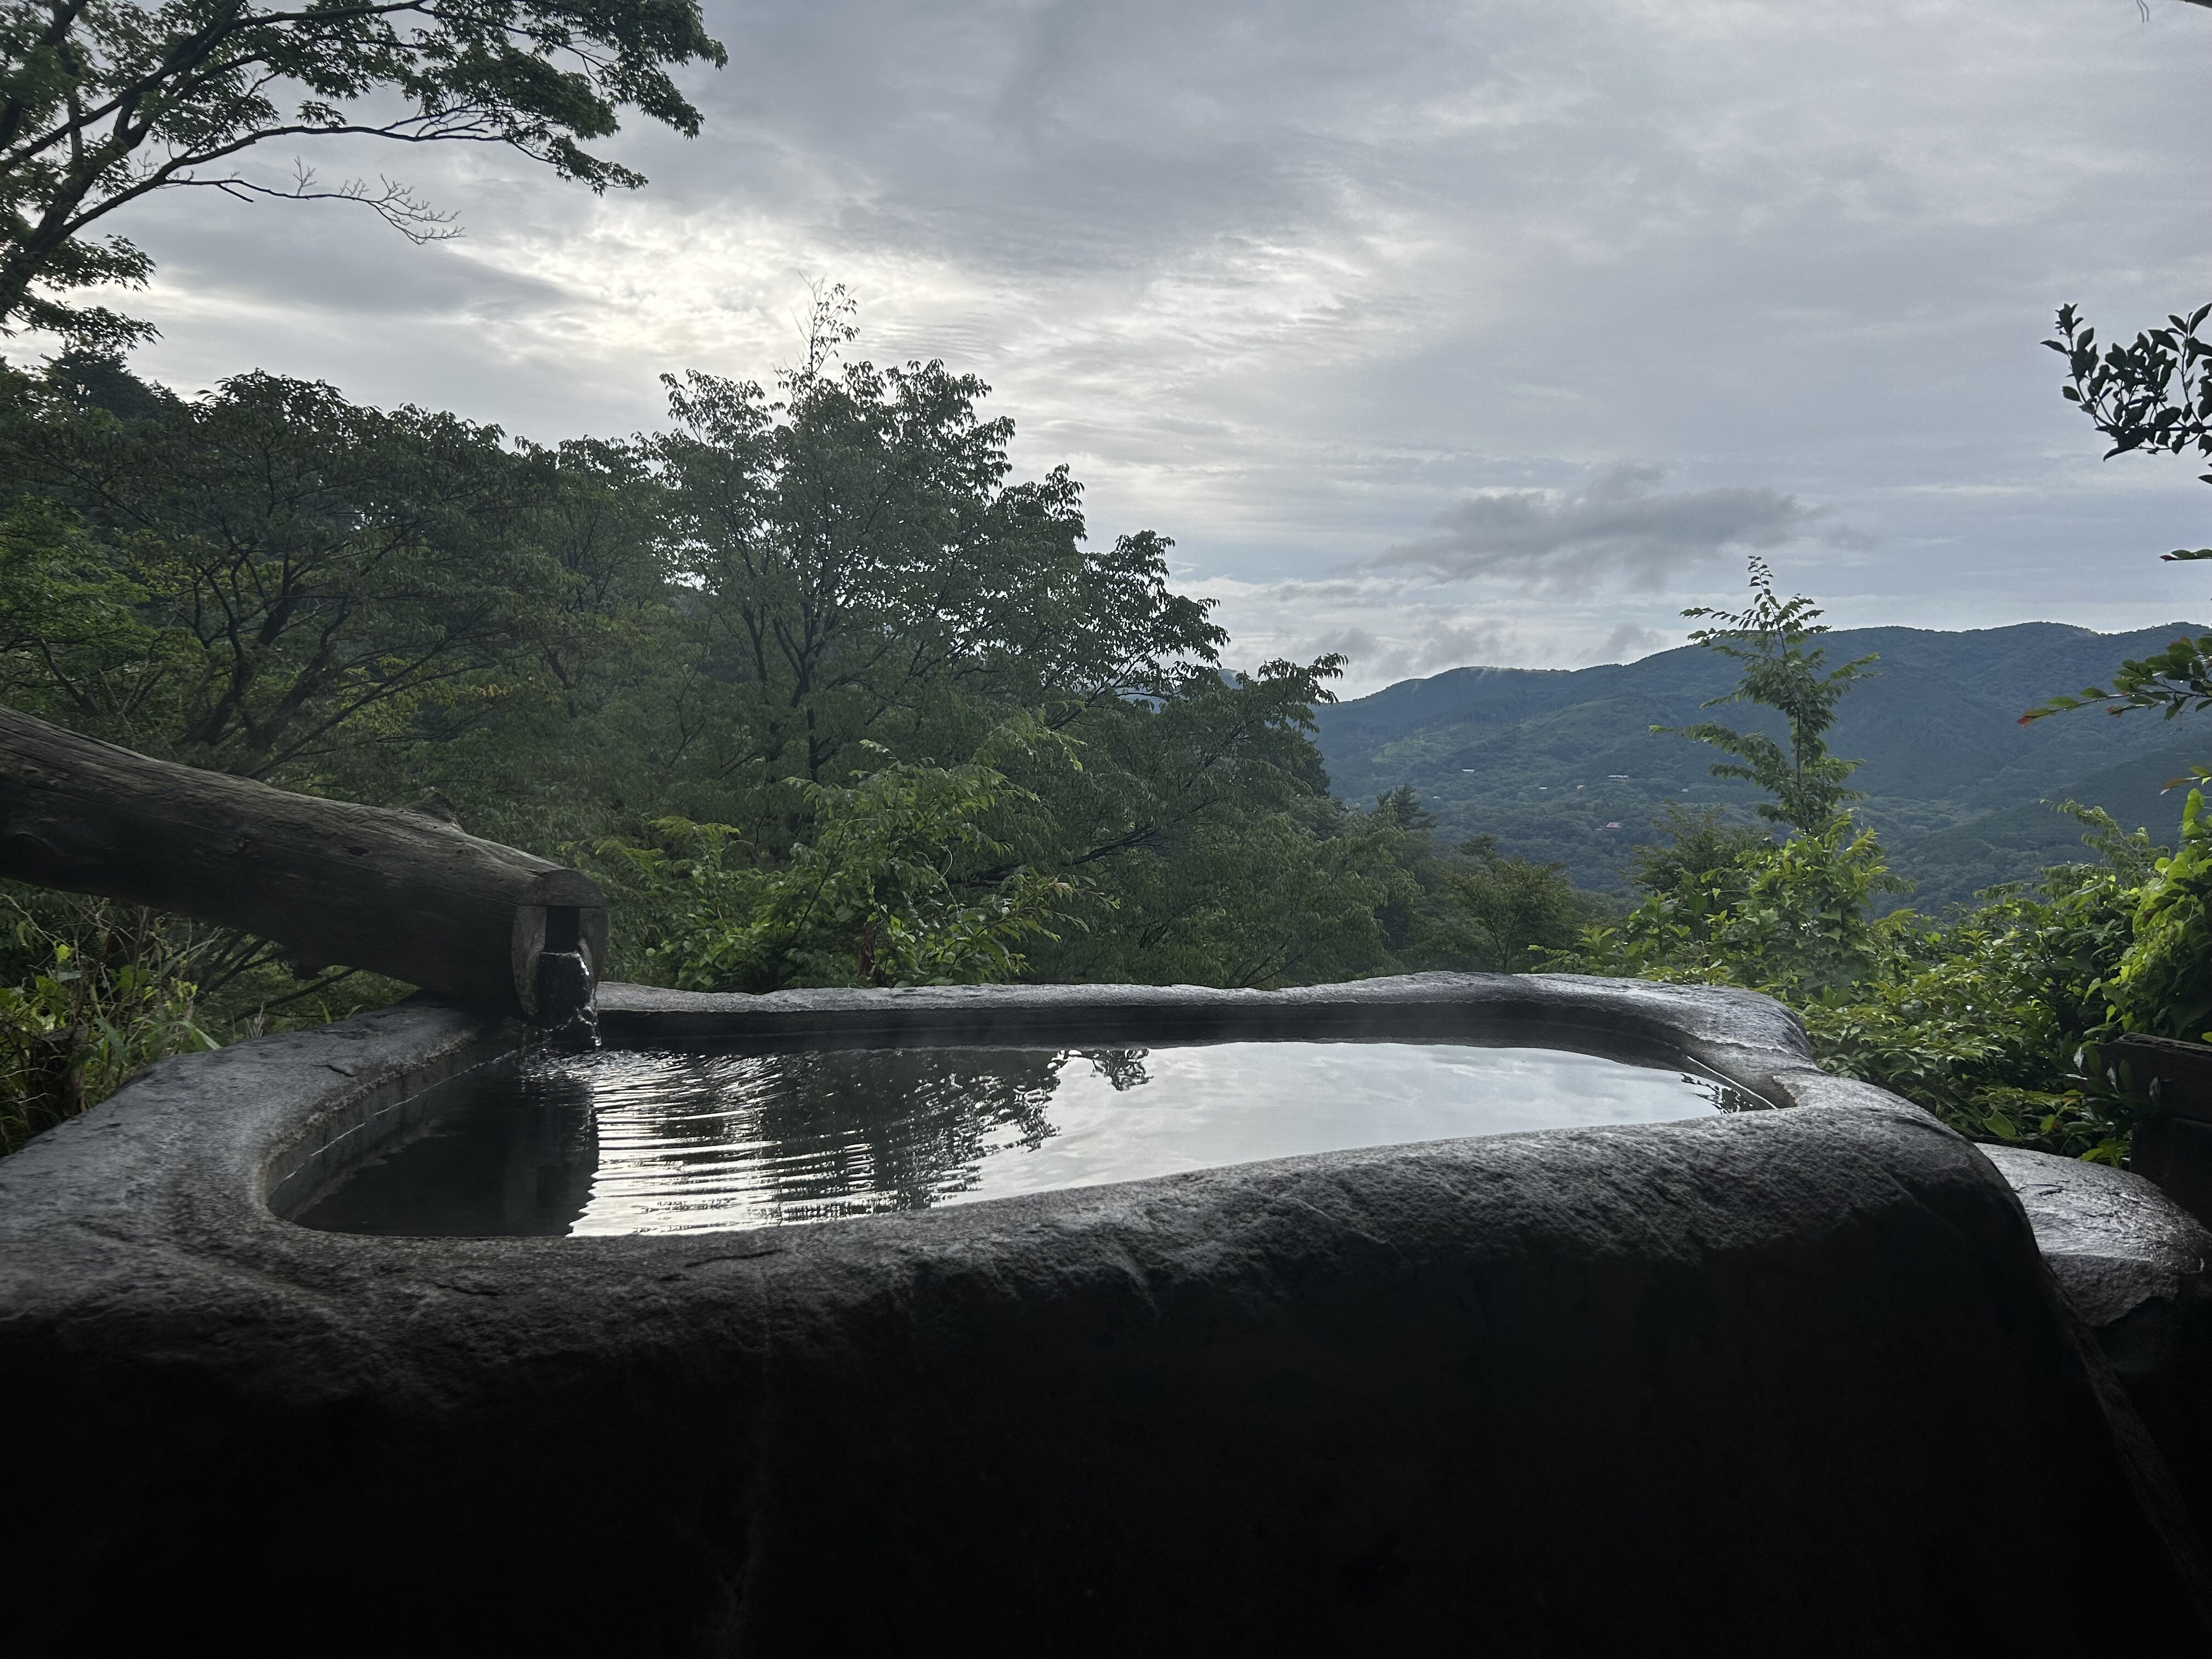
(637, 1141)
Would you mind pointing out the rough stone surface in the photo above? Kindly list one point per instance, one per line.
(2114, 1242)
(2137, 1268)
(1773, 1381)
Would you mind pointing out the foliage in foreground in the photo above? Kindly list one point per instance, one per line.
(872, 896)
(1984, 1019)
(91, 991)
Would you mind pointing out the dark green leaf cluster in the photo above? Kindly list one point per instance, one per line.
(103, 101)
(272, 582)
(1514, 911)
(2163, 982)
(2154, 395)
(882, 892)
(1798, 914)
(91, 991)
(1990, 1019)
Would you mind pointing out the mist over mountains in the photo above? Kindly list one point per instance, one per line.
(1561, 764)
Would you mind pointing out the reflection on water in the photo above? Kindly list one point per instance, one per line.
(629, 1141)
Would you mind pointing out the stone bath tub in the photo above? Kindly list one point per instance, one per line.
(1770, 1381)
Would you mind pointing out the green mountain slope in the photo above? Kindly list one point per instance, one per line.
(1562, 765)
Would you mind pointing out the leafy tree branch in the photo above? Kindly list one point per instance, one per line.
(105, 101)
(2153, 396)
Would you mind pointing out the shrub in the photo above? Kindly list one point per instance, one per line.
(2163, 983)
(887, 890)
(1986, 1019)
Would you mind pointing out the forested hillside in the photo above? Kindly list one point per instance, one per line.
(1563, 764)
(818, 689)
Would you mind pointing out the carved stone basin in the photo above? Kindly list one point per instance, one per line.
(1754, 1380)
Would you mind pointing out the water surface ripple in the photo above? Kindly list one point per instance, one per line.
(629, 1141)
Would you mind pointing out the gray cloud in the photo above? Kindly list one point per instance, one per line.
(1293, 281)
(1628, 641)
(1355, 645)
(1425, 645)
(1619, 525)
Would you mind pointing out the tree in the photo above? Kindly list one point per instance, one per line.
(862, 570)
(2152, 396)
(1792, 917)
(882, 892)
(261, 578)
(1698, 844)
(104, 102)
(1782, 671)
(1201, 822)
(1517, 909)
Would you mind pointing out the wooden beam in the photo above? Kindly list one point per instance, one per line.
(398, 893)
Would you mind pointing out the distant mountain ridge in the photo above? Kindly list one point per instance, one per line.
(1561, 764)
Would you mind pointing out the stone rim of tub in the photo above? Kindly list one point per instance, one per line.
(2116, 1245)
(187, 1155)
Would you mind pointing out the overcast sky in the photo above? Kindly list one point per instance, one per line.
(1433, 333)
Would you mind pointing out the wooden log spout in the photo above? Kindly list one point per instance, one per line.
(399, 893)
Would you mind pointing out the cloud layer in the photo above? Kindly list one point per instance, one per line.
(1429, 292)
(1618, 528)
